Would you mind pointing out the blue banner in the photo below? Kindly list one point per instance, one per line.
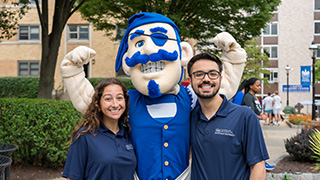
(296, 88)
(305, 75)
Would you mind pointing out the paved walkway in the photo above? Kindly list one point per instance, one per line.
(274, 138)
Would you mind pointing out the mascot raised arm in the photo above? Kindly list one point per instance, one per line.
(152, 53)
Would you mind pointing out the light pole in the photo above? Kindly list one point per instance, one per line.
(313, 48)
(288, 69)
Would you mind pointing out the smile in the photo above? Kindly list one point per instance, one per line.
(152, 67)
(115, 110)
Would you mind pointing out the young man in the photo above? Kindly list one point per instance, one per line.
(226, 139)
(277, 108)
(268, 106)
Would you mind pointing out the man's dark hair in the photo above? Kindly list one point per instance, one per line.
(204, 56)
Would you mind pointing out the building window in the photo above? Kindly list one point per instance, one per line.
(273, 76)
(78, 32)
(121, 30)
(318, 52)
(271, 51)
(29, 32)
(271, 29)
(28, 68)
(317, 5)
(30, 1)
(316, 27)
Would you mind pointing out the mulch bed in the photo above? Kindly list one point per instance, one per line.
(29, 172)
(289, 165)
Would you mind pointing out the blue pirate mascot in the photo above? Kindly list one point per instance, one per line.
(152, 53)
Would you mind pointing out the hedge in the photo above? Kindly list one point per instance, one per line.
(27, 87)
(19, 87)
(40, 128)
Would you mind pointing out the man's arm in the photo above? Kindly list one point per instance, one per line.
(234, 59)
(78, 87)
(258, 171)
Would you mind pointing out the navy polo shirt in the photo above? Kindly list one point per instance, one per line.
(104, 156)
(225, 146)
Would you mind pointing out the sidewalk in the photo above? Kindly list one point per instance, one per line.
(274, 138)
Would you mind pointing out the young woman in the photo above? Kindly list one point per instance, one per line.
(253, 87)
(100, 147)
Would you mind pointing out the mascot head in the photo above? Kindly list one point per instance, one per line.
(152, 53)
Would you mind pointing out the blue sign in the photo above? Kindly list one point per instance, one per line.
(296, 88)
(305, 75)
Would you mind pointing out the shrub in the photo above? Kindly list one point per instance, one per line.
(315, 146)
(289, 110)
(298, 146)
(40, 128)
(19, 87)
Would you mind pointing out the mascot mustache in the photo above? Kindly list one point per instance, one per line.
(139, 58)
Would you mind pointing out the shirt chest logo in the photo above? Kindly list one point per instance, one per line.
(224, 132)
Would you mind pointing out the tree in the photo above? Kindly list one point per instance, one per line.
(197, 19)
(257, 61)
(9, 18)
(317, 71)
(63, 10)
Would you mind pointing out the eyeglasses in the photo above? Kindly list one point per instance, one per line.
(213, 74)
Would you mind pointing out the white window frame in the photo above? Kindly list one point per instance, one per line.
(269, 27)
(77, 33)
(29, 68)
(272, 78)
(271, 55)
(29, 33)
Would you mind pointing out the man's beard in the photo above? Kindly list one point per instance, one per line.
(207, 96)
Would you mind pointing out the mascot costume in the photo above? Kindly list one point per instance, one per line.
(152, 53)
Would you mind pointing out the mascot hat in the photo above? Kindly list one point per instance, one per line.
(139, 20)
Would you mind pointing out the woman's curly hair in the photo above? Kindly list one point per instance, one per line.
(93, 115)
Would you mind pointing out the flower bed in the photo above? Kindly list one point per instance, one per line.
(297, 118)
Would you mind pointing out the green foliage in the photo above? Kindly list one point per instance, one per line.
(298, 146)
(19, 87)
(257, 61)
(27, 87)
(315, 146)
(289, 110)
(317, 71)
(40, 128)
(126, 81)
(9, 18)
(197, 19)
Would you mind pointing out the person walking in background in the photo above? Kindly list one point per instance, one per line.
(253, 87)
(268, 107)
(100, 144)
(277, 108)
(237, 99)
(226, 139)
